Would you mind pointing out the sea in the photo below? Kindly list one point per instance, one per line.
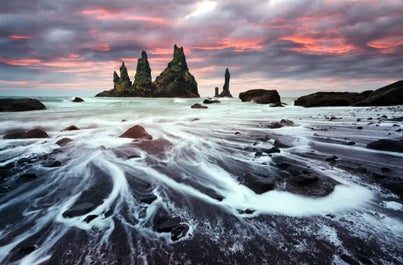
(193, 194)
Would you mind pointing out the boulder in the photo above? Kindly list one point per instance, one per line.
(387, 145)
(35, 133)
(310, 184)
(198, 106)
(225, 90)
(71, 128)
(261, 96)
(77, 99)
(176, 80)
(258, 184)
(211, 101)
(20, 104)
(136, 132)
(64, 141)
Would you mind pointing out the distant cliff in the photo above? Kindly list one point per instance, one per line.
(174, 81)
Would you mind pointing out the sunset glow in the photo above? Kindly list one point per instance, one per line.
(353, 43)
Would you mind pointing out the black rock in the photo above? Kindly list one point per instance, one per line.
(198, 106)
(35, 133)
(211, 101)
(78, 210)
(179, 231)
(261, 96)
(64, 141)
(77, 99)
(257, 183)
(225, 89)
(20, 104)
(90, 217)
(387, 145)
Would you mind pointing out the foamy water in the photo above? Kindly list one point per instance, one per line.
(197, 162)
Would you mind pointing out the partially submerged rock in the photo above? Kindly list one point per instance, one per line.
(256, 183)
(71, 128)
(387, 145)
(211, 101)
(78, 99)
(261, 96)
(35, 133)
(64, 141)
(198, 106)
(136, 132)
(20, 104)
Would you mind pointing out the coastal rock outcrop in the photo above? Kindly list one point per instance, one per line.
(261, 96)
(20, 104)
(225, 89)
(386, 96)
(326, 99)
(176, 80)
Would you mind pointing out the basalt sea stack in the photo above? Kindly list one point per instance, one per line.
(174, 81)
(225, 89)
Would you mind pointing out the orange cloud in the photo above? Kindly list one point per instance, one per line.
(100, 47)
(105, 14)
(99, 13)
(387, 46)
(238, 45)
(20, 62)
(319, 46)
(20, 37)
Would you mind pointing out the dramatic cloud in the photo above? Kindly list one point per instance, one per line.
(290, 45)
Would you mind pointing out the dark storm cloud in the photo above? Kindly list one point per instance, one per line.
(280, 39)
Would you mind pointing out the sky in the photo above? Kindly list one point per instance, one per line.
(72, 47)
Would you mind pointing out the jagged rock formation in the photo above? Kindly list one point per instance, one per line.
(174, 81)
(261, 96)
(389, 95)
(122, 86)
(225, 89)
(142, 83)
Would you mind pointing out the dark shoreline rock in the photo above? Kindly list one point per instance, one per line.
(261, 96)
(78, 99)
(21, 134)
(198, 106)
(20, 104)
(386, 96)
(211, 101)
(387, 145)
